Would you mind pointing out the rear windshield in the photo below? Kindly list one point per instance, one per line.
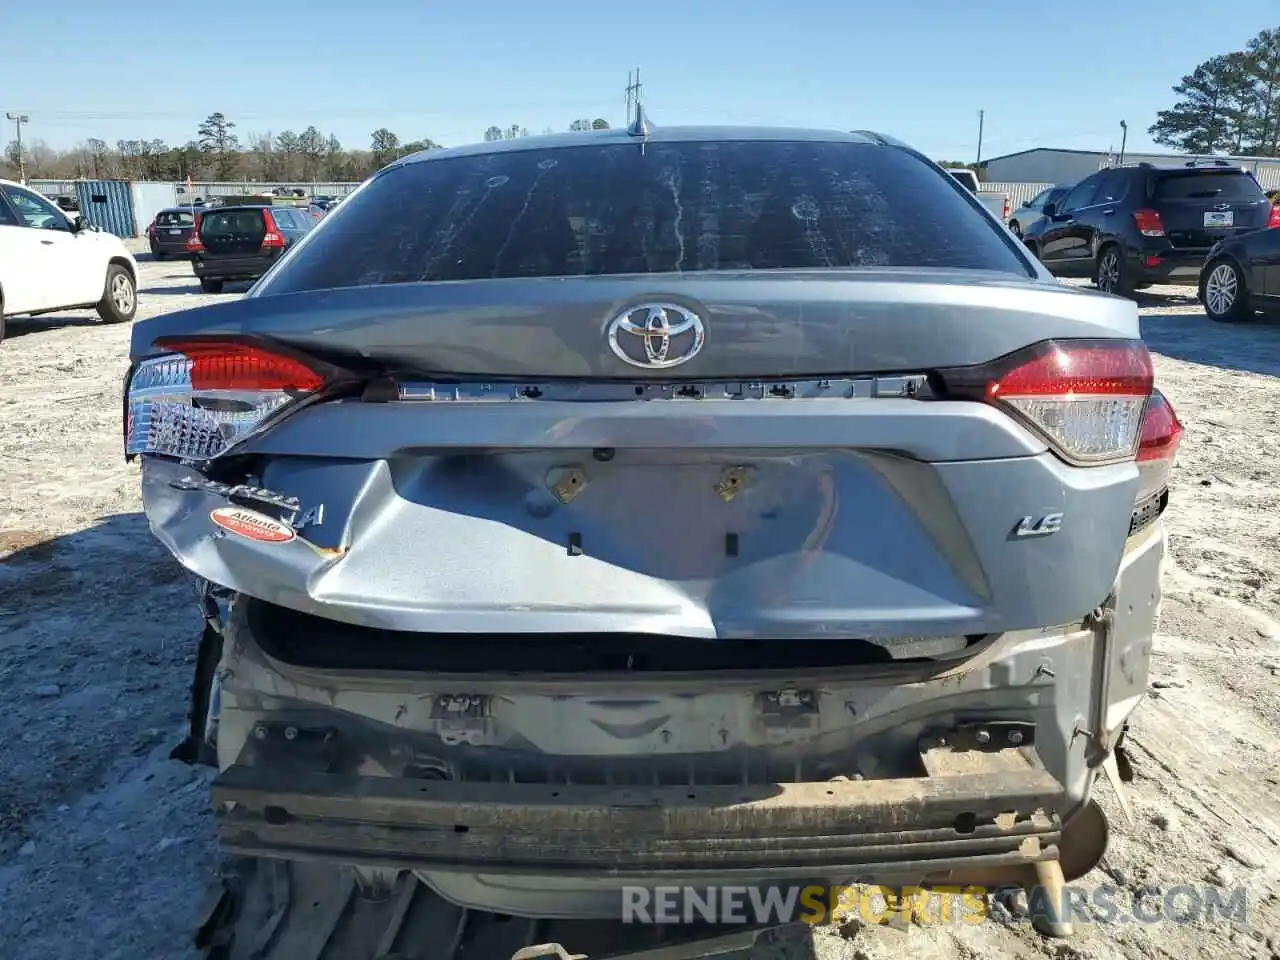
(1208, 185)
(175, 219)
(224, 223)
(669, 207)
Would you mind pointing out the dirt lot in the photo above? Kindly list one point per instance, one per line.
(105, 846)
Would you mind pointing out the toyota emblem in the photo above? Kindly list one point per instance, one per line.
(656, 335)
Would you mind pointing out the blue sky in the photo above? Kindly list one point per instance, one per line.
(1045, 74)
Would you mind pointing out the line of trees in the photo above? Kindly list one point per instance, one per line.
(1228, 104)
(217, 152)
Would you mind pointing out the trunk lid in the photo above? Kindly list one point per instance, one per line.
(174, 227)
(1202, 207)
(792, 480)
(762, 325)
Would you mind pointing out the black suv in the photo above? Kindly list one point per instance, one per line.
(242, 242)
(1131, 226)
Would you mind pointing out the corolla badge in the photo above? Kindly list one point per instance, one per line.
(656, 335)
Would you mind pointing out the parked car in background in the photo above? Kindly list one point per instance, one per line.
(243, 242)
(65, 201)
(316, 211)
(1241, 277)
(998, 203)
(169, 232)
(1031, 211)
(484, 464)
(1129, 227)
(52, 261)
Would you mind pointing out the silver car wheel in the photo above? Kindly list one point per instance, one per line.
(1221, 289)
(1109, 272)
(122, 293)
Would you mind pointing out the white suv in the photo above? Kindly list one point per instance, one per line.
(50, 261)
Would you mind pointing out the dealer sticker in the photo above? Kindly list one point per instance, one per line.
(252, 525)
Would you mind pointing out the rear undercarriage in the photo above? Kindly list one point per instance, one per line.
(544, 785)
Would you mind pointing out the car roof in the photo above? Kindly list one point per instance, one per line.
(222, 208)
(655, 135)
(1186, 168)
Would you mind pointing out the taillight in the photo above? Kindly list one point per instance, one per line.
(1085, 397)
(1008, 209)
(1149, 223)
(1273, 219)
(193, 241)
(273, 239)
(1161, 432)
(151, 230)
(203, 397)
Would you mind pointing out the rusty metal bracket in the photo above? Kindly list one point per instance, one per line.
(989, 736)
(733, 480)
(567, 482)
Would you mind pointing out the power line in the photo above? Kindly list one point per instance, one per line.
(66, 116)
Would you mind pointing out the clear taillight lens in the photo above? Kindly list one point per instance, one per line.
(1086, 397)
(200, 400)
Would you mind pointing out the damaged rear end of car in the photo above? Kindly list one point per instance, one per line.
(685, 508)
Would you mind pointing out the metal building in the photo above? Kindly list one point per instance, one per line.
(1052, 165)
(108, 205)
(148, 200)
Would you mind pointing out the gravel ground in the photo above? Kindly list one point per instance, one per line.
(105, 844)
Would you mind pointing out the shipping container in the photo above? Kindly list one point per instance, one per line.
(148, 200)
(108, 205)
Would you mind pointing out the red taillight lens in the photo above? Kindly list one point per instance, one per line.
(1149, 223)
(1161, 433)
(1273, 219)
(1008, 209)
(217, 365)
(193, 242)
(272, 239)
(1085, 397)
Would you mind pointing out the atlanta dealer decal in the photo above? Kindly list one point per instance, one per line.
(252, 525)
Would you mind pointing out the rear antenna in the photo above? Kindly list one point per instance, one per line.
(640, 126)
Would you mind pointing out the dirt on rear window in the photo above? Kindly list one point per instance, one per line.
(660, 207)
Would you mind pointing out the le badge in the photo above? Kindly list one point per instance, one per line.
(252, 525)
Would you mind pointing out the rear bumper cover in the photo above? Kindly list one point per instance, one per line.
(231, 268)
(1174, 266)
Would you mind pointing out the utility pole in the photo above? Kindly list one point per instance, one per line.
(633, 91)
(18, 120)
(978, 162)
(1124, 136)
